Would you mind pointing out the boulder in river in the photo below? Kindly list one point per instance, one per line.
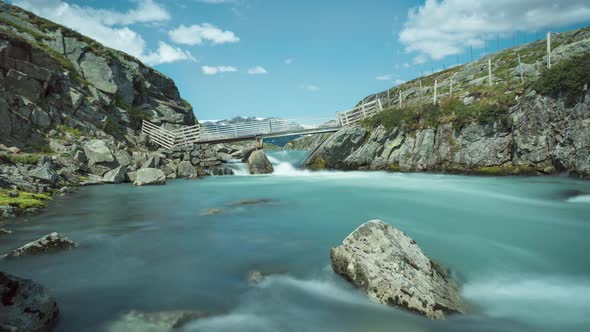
(48, 243)
(25, 306)
(137, 321)
(258, 163)
(390, 267)
(186, 170)
(149, 176)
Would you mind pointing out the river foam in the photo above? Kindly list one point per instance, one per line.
(533, 298)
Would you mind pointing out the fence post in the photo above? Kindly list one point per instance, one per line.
(520, 69)
(435, 86)
(400, 98)
(380, 105)
(421, 97)
(269, 125)
(490, 71)
(235, 131)
(548, 50)
(451, 94)
(363, 110)
(388, 99)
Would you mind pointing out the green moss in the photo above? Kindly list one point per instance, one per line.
(393, 168)
(505, 170)
(186, 103)
(69, 130)
(23, 200)
(318, 164)
(566, 78)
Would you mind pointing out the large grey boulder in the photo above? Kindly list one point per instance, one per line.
(116, 175)
(149, 176)
(258, 163)
(137, 321)
(390, 267)
(97, 151)
(44, 173)
(46, 244)
(186, 170)
(26, 306)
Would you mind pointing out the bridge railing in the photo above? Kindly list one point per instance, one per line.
(158, 135)
(360, 112)
(202, 133)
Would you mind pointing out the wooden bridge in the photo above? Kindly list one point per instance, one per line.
(258, 130)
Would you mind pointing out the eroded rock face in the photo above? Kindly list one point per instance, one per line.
(334, 150)
(390, 267)
(149, 176)
(258, 163)
(46, 244)
(26, 306)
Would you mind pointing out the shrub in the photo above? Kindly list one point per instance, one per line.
(566, 78)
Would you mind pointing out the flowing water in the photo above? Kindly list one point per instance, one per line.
(519, 246)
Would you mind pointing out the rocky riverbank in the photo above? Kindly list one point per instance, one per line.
(539, 126)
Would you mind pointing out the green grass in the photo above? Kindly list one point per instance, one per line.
(37, 36)
(22, 158)
(432, 115)
(23, 200)
(566, 78)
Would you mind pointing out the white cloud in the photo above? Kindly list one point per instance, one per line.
(310, 87)
(167, 54)
(288, 61)
(216, 2)
(440, 28)
(196, 34)
(109, 27)
(257, 71)
(386, 77)
(214, 70)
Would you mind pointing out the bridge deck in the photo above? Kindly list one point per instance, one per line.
(250, 130)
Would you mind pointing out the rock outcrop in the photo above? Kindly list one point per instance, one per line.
(26, 306)
(149, 176)
(46, 244)
(258, 163)
(390, 267)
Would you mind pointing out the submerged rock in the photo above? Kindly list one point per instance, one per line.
(48, 243)
(258, 163)
(25, 306)
(211, 212)
(388, 265)
(5, 231)
(252, 202)
(137, 321)
(149, 176)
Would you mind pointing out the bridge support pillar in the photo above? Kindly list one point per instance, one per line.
(259, 143)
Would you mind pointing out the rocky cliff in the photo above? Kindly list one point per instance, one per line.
(52, 77)
(538, 125)
(71, 112)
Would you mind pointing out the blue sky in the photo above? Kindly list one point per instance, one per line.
(299, 58)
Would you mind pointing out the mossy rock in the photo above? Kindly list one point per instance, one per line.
(23, 200)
